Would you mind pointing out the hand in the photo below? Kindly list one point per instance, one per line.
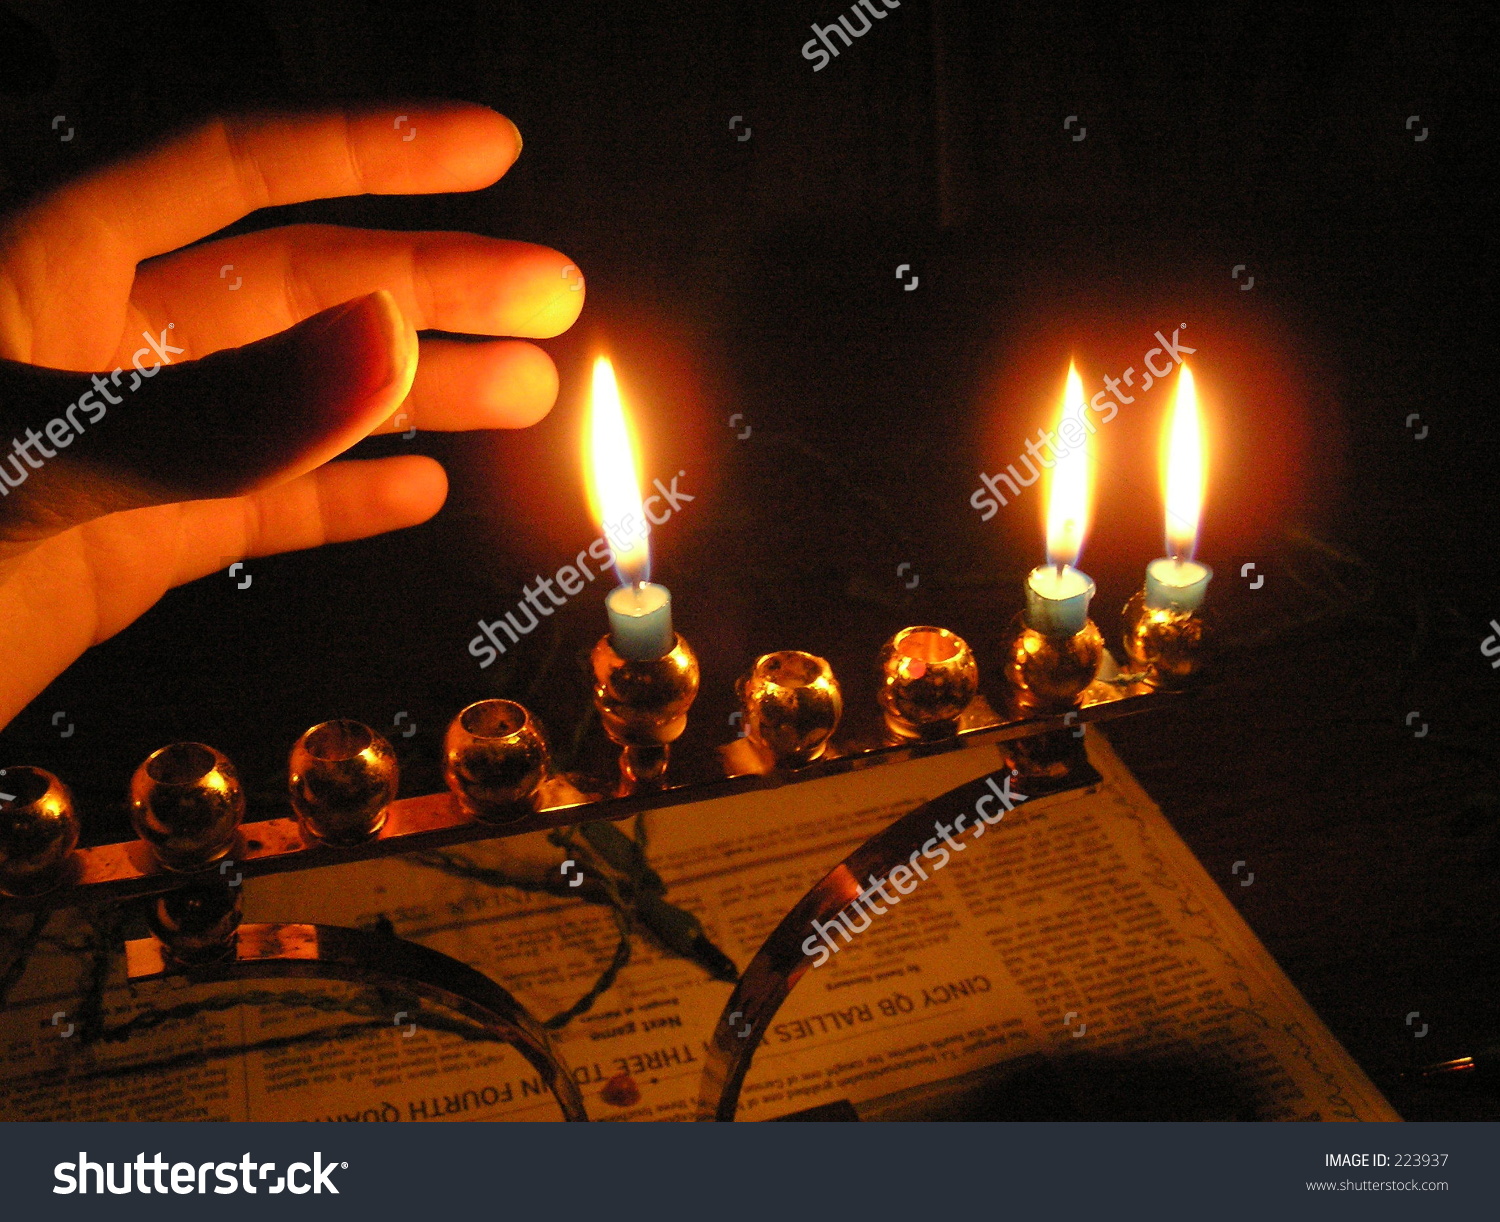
(170, 463)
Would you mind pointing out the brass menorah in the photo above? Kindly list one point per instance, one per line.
(188, 808)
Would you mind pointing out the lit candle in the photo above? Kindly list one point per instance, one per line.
(640, 612)
(640, 620)
(1057, 594)
(1177, 582)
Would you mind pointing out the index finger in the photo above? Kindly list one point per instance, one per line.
(211, 176)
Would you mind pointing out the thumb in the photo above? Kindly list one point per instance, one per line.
(77, 446)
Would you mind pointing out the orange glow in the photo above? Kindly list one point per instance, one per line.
(613, 479)
(1069, 484)
(1183, 468)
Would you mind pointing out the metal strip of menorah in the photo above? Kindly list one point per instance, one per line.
(283, 844)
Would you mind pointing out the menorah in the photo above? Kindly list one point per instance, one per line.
(188, 808)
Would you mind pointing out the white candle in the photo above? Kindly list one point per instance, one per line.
(640, 612)
(1178, 582)
(1057, 594)
(640, 621)
(1057, 599)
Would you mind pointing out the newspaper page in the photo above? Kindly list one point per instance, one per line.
(1079, 964)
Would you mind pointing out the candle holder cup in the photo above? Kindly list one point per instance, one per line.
(1171, 646)
(1049, 674)
(187, 805)
(792, 704)
(341, 777)
(644, 705)
(494, 760)
(928, 678)
(38, 831)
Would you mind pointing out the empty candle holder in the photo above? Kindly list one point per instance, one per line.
(644, 703)
(341, 777)
(928, 678)
(792, 705)
(187, 805)
(494, 760)
(38, 831)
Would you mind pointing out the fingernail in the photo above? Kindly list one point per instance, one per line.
(375, 347)
(519, 141)
(399, 341)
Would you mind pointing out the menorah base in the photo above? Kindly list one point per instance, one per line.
(810, 934)
(331, 952)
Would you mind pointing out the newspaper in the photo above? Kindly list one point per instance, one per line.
(1078, 963)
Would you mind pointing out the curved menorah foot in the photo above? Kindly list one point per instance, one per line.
(795, 945)
(331, 952)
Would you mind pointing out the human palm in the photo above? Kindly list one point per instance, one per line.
(303, 347)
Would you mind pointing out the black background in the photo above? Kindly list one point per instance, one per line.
(758, 276)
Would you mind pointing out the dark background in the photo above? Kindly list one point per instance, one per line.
(758, 276)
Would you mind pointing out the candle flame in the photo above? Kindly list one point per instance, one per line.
(612, 477)
(1068, 489)
(1184, 468)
